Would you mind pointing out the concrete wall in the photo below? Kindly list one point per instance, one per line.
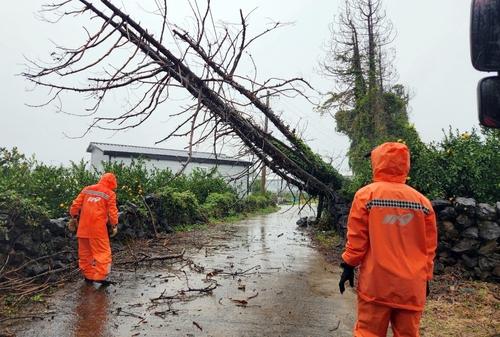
(96, 159)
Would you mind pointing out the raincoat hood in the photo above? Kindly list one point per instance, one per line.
(108, 180)
(390, 162)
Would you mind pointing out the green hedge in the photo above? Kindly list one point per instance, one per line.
(220, 205)
(259, 201)
(461, 164)
(54, 187)
(178, 207)
(16, 207)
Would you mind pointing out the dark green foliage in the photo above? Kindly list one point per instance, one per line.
(462, 164)
(220, 205)
(36, 189)
(135, 181)
(16, 206)
(179, 208)
(49, 187)
(359, 125)
(259, 201)
(203, 183)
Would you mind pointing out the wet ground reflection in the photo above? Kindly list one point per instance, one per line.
(91, 312)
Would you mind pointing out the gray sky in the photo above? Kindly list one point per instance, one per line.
(432, 59)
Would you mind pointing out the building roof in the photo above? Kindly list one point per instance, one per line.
(131, 151)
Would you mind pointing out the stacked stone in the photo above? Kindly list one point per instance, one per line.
(39, 248)
(48, 245)
(469, 235)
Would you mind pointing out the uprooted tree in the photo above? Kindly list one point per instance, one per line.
(205, 63)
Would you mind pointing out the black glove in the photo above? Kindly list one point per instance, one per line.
(427, 290)
(347, 275)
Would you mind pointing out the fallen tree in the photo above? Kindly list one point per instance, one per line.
(223, 101)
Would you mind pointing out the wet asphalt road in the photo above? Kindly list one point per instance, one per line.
(282, 287)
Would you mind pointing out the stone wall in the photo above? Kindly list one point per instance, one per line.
(37, 248)
(40, 246)
(469, 236)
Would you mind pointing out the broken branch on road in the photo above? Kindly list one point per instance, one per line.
(239, 273)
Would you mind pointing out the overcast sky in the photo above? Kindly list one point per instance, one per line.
(432, 60)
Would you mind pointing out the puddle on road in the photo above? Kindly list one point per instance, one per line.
(282, 287)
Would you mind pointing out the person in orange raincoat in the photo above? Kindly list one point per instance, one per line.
(392, 237)
(96, 206)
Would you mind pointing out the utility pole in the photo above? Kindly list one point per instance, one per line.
(263, 172)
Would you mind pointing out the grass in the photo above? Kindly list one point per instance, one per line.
(465, 309)
(328, 239)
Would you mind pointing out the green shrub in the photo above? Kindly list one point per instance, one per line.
(462, 164)
(220, 205)
(133, 181)
(19, 207)
(51, 189)
(205, 182)
(178, 208)
(259, 201)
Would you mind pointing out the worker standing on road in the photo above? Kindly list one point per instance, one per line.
(96, 206)
(391, 235)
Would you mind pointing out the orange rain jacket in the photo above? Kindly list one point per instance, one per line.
(96, 205)
(391, 234)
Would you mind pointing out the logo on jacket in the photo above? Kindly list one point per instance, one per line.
(94, 199)
(391, 219)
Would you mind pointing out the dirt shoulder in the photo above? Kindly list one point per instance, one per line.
(456, 306)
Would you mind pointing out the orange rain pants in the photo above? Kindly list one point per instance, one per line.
(373, 320)
(94, 258)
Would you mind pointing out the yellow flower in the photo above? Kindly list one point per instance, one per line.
(61, 205)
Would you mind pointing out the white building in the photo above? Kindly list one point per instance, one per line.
(228, 167)
(279, 186)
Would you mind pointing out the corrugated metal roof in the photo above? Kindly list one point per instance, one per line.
(166, 154)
